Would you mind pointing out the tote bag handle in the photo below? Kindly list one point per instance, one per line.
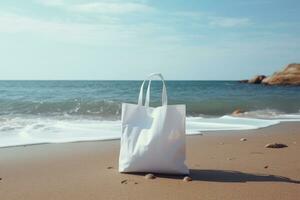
(164, 98)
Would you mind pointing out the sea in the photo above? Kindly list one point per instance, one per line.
(36, 112)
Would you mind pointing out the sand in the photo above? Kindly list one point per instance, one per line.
(222, 167)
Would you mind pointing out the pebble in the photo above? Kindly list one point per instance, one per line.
(110, 167)
(266, 166)
(124, 181)
(149, 176)
(276, 145)
(187, 179)
(230, 158)
(243, 139)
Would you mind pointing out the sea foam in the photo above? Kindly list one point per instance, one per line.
(20, 130)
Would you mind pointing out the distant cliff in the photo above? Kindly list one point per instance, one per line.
(290, 75)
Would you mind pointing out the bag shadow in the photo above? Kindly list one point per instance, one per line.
(210, 175)
(236, 176)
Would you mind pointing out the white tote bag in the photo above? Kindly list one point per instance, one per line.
(153, 139)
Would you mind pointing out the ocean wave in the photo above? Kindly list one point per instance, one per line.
(111, 110)
(34, 112)
(29, 129)
(271, 114)
(105, 108)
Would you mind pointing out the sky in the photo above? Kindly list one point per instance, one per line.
(128, 39)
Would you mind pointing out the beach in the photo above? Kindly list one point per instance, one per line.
(221, 166)
(205, 89)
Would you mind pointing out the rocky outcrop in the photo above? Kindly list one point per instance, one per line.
(290, 75)
(243, 81)
(257, 79)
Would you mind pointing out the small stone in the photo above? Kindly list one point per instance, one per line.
(238, 112)
(150, 176)
(276, 145)
(124, 181)
(187, 179)
(135, 183)
(266, 166)
(243, 139)
(110, 167)
(230, 158)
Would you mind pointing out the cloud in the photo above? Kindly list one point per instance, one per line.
(190, 14)
(59, 30)
(229, 22)
(109, 28)
(105, 7)
(51, 2)
(211, 19)
(118, 7)
(110, 8)
(105, 33)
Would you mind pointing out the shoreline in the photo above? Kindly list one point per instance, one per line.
(222, 167)
(102, 132)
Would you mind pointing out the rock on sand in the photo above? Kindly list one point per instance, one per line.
(149, 176)
(187, 179)
(276, 145)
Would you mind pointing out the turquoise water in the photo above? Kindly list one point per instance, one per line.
(103, 98)
(62, 111)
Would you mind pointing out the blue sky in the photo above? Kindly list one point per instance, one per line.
(102, 39)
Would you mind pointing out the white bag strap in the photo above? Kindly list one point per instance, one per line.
(164, 97)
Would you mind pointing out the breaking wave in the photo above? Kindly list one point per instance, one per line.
(29, 129)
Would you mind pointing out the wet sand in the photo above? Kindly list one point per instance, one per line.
(222, 167)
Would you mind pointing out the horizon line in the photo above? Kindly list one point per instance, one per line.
(117, 80)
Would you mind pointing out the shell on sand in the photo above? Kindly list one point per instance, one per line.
(149, 176)
(243, 139)
(187, 179)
